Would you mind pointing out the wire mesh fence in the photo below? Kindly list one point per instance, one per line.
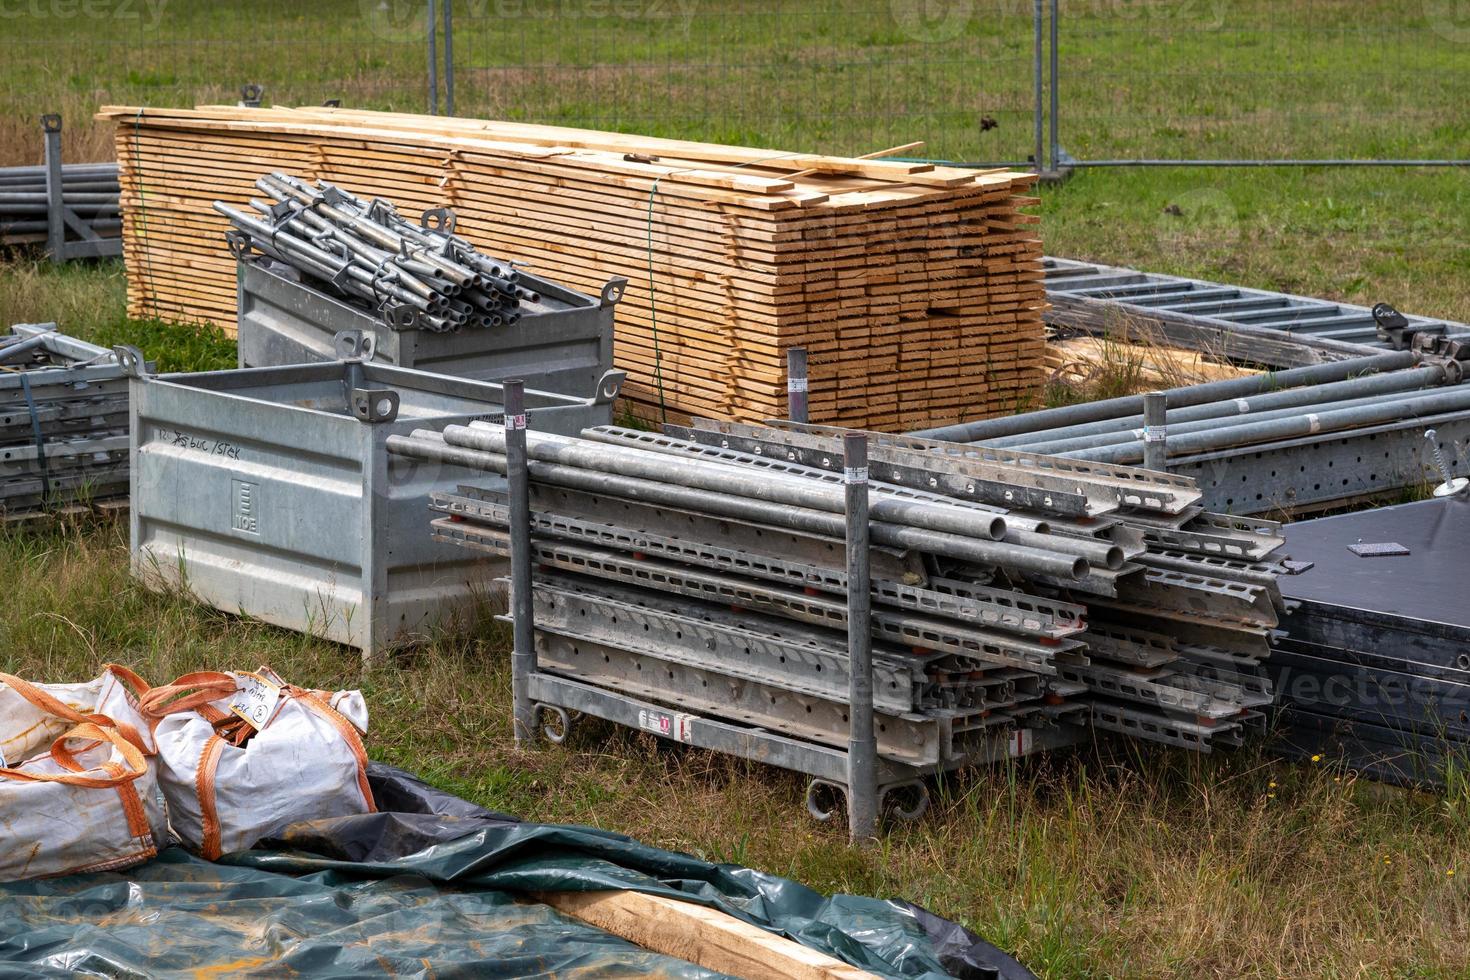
(1245, 81)
(846, 77)
(71, 56)
(1188, 80)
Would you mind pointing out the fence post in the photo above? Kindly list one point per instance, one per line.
(448, 56)
(433, 21)
(523, 631)
(862, 745)
(1056, 153)
(796, 385)
(55, 189)
(1039, 152)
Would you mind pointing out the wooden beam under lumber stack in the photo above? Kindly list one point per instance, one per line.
(917, 289)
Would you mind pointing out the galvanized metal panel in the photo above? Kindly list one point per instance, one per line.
(261, 494)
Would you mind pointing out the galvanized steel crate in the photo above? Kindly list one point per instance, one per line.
(563, 343)
(267, 492)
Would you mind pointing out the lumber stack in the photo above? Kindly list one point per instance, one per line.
(917, 290)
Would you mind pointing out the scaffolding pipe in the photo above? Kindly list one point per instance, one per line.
(1178, 398)
(518, 481)
(1296, 425)
(430, 446)
(862, 743)
(719, 478)
(1372, 384)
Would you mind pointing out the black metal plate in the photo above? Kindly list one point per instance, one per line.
(1431, 582)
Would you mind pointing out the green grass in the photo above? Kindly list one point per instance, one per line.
(1106, 863)
(1119, 861)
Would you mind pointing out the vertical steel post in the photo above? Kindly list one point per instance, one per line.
(1155, 435)
(1056, 153)
(55, 189)
(517, 476)
(862, 744)
(448, 56)
(796, 385)
(1039, 152)
(433, 22)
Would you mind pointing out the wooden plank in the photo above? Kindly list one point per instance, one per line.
(703, 936)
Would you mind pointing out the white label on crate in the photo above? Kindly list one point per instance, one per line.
(796, 385)
(855, 474)
(255, 701)
(1155, 433)
(675, 725)
(515, 421)
(245, 506)
(1021, 743)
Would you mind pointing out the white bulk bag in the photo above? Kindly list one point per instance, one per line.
(90, 803)
(32, 718)
(229, 784)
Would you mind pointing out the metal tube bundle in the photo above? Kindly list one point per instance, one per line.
(1132, 405)
(1299, 439)
(418, 276)
(63, 421)
(89, 192)
(705, 569)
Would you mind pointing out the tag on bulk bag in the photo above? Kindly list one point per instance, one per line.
(242, 755)
(90, 802)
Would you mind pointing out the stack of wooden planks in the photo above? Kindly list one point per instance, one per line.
(916, 289)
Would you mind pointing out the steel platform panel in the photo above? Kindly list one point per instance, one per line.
(1218, 304)
(1373, 669)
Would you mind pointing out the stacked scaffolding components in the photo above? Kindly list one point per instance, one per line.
(63, 421)
(1305, 438)
(72, 208)
(691, 583)
(1373, 668)
(417, 276)
(90, 193)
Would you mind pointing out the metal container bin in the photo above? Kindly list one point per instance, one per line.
(267, 492)
(563, 344)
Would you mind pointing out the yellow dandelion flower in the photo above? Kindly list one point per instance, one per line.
(1270, 796)
(1316, 758)
(1449, 872)
(1273, 785)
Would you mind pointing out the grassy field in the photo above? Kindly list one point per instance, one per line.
(1105, 863)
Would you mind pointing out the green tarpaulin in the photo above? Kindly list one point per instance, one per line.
(431, 888)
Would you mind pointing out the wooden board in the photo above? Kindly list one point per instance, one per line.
(917, 290)
(703, 936)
